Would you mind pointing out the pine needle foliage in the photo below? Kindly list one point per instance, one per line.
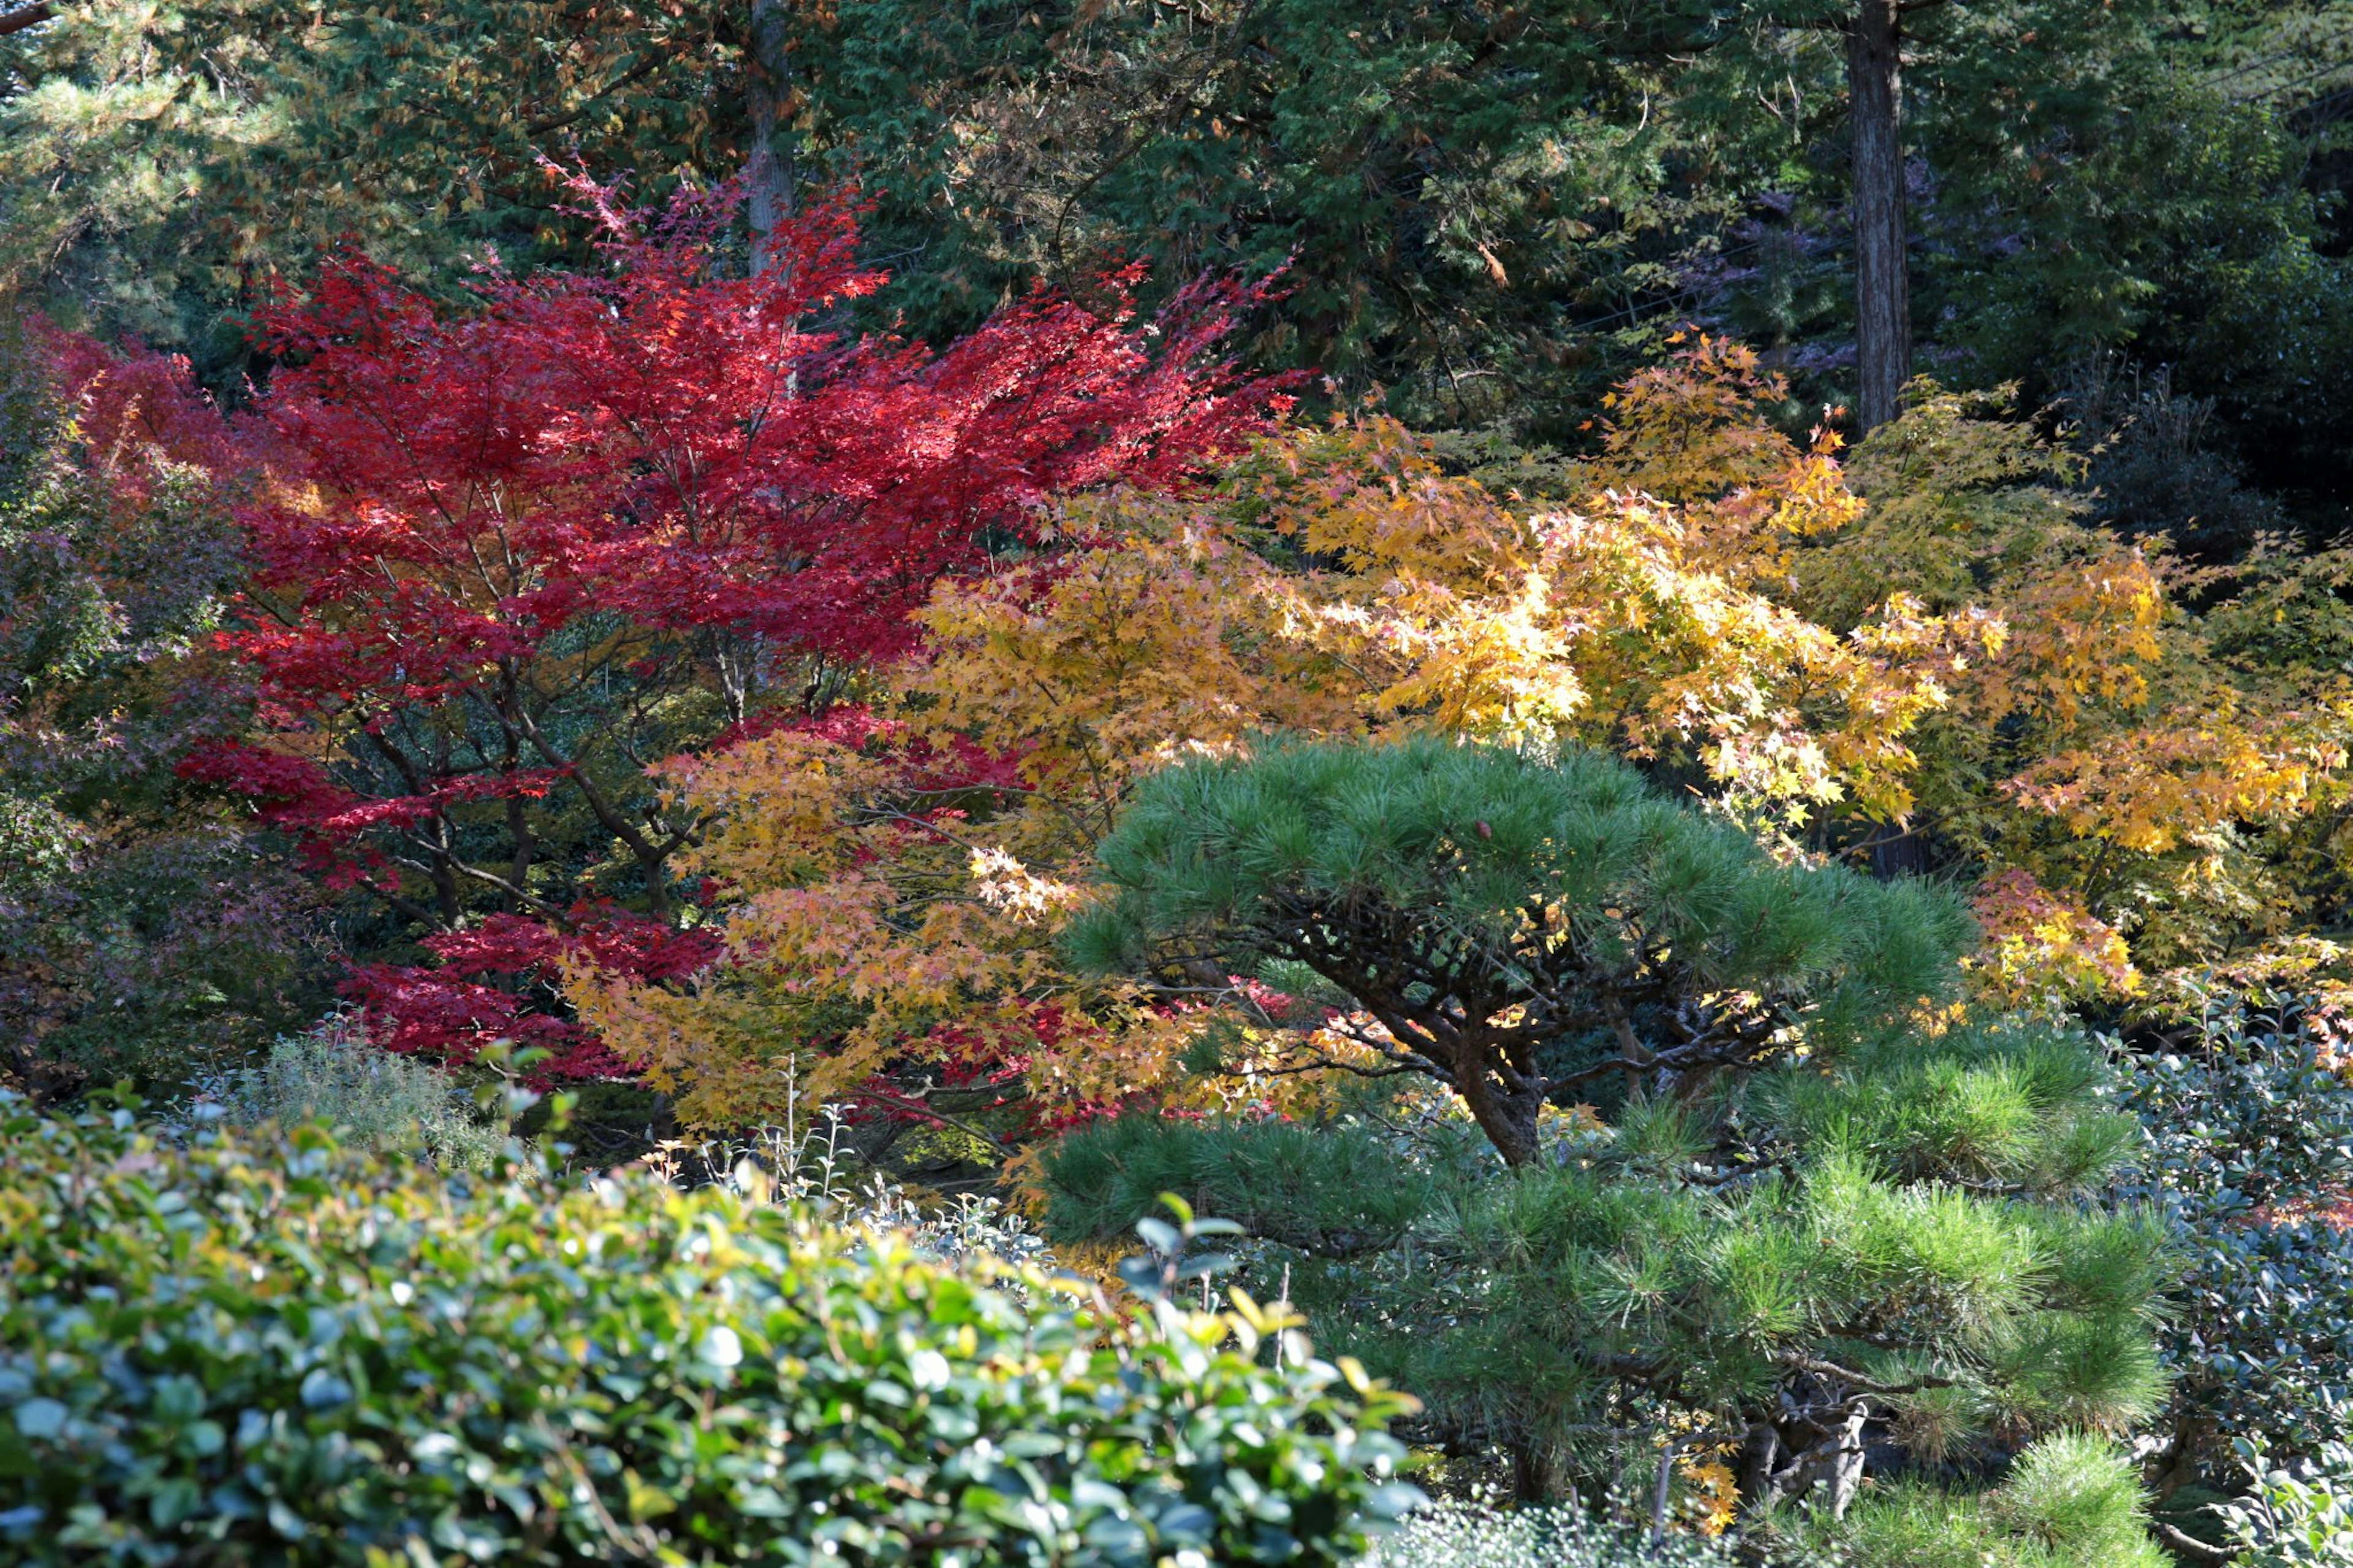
(1819, 1226)
(1481, 907)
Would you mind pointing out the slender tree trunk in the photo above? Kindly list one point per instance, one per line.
(768, 174)
(1882, 296)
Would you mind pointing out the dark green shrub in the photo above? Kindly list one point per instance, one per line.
(2250, 1129)
(234, 1353)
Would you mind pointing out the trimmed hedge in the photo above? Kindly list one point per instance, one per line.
(233, 1352)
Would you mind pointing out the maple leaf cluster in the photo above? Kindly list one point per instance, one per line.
(1942, 650)
(504, 557)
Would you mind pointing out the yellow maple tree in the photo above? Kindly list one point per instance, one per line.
(1922, 636)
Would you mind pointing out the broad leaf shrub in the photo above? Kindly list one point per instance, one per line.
(2298, 1516)
(2250, 1129)
(234, 1352)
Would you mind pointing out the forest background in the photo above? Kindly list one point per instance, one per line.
(2123, 252)
(672, 535)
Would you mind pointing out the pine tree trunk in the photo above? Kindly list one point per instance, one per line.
(768, 174)
(1509, 1118)
(1882, 289)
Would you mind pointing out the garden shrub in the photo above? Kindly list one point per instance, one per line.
(232, 1353)
(334, 1074)
(1457, 1535)
(2250, 1129)
(2298, 1516)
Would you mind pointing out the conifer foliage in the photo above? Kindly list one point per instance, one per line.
(1475, 907)
(1761, 1191)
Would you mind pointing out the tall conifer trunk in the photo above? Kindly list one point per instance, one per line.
(768, 172)
(1882, 289)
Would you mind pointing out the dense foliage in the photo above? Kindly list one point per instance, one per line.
(1493, 211)
(238, 1351)
(2250, 1125)
(1809, 1226)
(141, 932)
(504, 559)
(1352, 612)
(1950, 671)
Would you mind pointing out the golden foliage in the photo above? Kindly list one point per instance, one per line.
(1925, 633)
(2042, 951)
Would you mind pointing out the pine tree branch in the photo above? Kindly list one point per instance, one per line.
(29, 16)
(2188, 1546)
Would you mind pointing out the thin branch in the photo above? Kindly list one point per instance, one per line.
(2189, 1546)
(919, 1105)
(628, 77)
(1869, 1385)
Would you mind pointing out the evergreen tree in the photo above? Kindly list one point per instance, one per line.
(1812, 1222)
(1518, 932)
(160, 163)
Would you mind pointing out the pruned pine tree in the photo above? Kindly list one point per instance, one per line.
(1513, 929)
(1807, 1228)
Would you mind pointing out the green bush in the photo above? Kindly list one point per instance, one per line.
(227, 1352)
(2069, 1501)
(2250, 1132)
(1456, 1536)
(2295, 1516)
(334, 1074)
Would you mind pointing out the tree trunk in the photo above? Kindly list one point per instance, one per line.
(1540, 1471)
(1882, 296)
(1895, 851)
(768, 172)
(1809, 1442)
(1508, 1116)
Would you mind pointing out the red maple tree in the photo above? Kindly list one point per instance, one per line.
(510, 556)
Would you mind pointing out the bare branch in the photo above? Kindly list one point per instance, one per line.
(27, 16)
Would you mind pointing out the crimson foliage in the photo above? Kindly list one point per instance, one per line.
(508, 558)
